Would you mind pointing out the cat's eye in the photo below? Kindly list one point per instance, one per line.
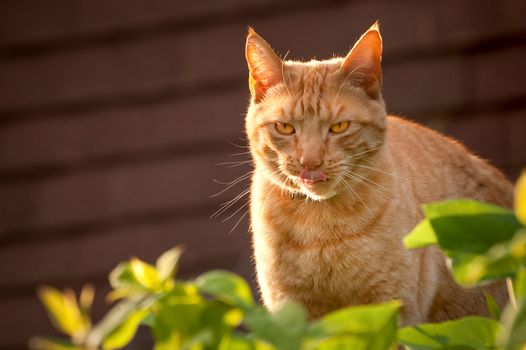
(339, 127)
(284, 128)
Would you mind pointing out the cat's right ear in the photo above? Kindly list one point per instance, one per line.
(265, 67)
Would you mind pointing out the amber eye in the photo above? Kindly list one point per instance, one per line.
(339, 127)
(284, 128)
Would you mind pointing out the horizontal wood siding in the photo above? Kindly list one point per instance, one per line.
(114, 114)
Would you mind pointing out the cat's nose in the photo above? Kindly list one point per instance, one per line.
(311, 163)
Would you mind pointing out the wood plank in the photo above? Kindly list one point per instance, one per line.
(500, 74)
(178, 60)
(63, 19)
(491, 139)
(60, 263)
(433, 84)
(412, 87)
(23, 318)
(127, 130)
(128, 69)
(458, 22)
(206, 242)
(109, 193)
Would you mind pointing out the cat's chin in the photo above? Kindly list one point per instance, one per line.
(318, 191)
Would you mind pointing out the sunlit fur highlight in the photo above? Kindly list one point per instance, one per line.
(339, 243)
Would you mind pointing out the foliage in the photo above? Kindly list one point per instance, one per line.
(217, 310)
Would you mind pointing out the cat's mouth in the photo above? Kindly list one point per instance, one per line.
(310, 177)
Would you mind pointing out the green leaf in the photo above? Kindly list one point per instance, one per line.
(200, 340)
(189, 321)
(492, 306)
(117, 315)
(165, 338)
(167, 263)
(343, 342)
(422, 235)
(520, 198)
(48, 343)
(368, 326)
(145, 274)
(63, 311)
(519, 284)
(236, 342)
(243, 342)
(477, 333)
(185, 318)
(87, 295)
(517, 246)
(261, 345)
(517, 336)
(133, 279)
(500, 261)
(123, 279)
(123, 334)
(227, 287)
(480, 239)
(285, 328)
(470, 226)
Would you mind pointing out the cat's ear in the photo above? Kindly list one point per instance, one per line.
(362, 65)
(265, 67)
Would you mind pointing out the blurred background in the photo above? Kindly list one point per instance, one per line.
(114, 114)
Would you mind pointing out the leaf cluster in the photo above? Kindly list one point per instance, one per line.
(217, 310)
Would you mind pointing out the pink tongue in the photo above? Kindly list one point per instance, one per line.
(312, 175)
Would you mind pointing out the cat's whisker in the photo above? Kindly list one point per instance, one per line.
(238, 146)
(379, 170)
(376, 183)
(235, 164)
(367, 151)
(225, 206)
(230, 184)
(234, 213)
(360, 179)
(239, 154)
(284, 186)
(363, 182)
(348, 186)
(238, 222)
(229, 204)
(375, 149)
(397, 176)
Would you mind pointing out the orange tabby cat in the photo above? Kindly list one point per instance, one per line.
(338, 183)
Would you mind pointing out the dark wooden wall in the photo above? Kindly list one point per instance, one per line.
(114, 113)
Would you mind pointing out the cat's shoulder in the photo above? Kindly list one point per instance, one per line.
(401, 124)
(404, 133)
(400, 127)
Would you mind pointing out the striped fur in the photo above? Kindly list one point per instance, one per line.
(339, 242)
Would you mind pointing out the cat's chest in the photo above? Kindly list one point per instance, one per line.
(319, 251)
(338, 270)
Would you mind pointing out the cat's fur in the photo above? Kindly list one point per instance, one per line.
(339, 242)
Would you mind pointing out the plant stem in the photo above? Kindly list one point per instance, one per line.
(511, 293)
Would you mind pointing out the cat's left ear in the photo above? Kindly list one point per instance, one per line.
(264, 65)
(362, 65)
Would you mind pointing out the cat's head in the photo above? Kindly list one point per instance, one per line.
(314, 126)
